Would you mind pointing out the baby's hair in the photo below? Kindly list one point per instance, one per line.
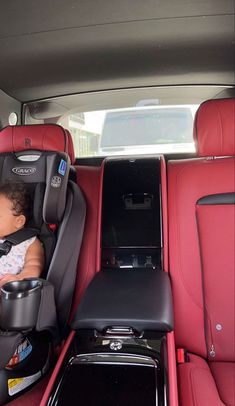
(18, 194)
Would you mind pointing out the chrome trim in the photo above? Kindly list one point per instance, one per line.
(114, 358)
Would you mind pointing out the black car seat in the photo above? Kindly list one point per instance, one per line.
(40, 156)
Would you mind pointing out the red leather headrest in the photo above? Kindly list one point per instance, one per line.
(43, 137)
(70, 147)
(214, 128)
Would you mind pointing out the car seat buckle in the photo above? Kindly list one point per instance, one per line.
(182, 356)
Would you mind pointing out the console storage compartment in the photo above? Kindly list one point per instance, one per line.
(139, 299)
(131, 213)
(109, 379)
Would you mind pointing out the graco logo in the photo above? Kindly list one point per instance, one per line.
(56, 181)
(24, 170)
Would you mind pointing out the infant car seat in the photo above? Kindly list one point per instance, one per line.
(41, 157)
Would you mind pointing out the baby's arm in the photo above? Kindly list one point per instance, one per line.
(34, 261)
(33, 265)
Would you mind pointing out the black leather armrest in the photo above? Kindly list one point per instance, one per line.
(140, 299)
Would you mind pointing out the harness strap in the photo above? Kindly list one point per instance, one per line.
(17, 238)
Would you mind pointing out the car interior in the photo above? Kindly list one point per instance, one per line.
(119, 119)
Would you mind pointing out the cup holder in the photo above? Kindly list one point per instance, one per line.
(19, 304)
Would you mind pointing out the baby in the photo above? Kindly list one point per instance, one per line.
(26, 259)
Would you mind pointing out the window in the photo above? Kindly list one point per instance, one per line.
(139, 130)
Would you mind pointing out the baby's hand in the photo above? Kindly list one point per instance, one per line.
(8, 278)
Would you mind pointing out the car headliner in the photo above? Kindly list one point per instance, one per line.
(59, 47)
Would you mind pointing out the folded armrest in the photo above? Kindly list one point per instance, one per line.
(140, 299)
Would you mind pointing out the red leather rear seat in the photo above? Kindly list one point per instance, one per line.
(202, 258)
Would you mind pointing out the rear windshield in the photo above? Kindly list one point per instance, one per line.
(122, 131)
(147, 126)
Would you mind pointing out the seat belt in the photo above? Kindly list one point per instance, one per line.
(182, 356)
(17, 238)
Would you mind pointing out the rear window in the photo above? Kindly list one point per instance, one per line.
(132, 131)
(147, 127)
(138, 130)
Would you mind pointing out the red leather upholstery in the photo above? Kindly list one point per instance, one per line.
(206, 384)
(188, 181)
(214, 128)
(217, 243)
(70, 151)
(172, 377)
(90, 181)
(202, 263)
(44, 137)
(224, 376)
(196, 384)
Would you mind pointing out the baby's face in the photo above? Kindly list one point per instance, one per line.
(9, 222)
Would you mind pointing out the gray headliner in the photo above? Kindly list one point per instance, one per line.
(57, 47)
(105, 100)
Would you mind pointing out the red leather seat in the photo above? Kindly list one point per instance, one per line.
(202, 258)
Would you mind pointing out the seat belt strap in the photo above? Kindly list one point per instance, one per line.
(17, 238)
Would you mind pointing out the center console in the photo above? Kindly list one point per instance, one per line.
(131, 213)
(114, 379)
(118, 356)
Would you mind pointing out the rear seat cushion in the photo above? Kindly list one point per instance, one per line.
(224, 376)
(196, 384)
